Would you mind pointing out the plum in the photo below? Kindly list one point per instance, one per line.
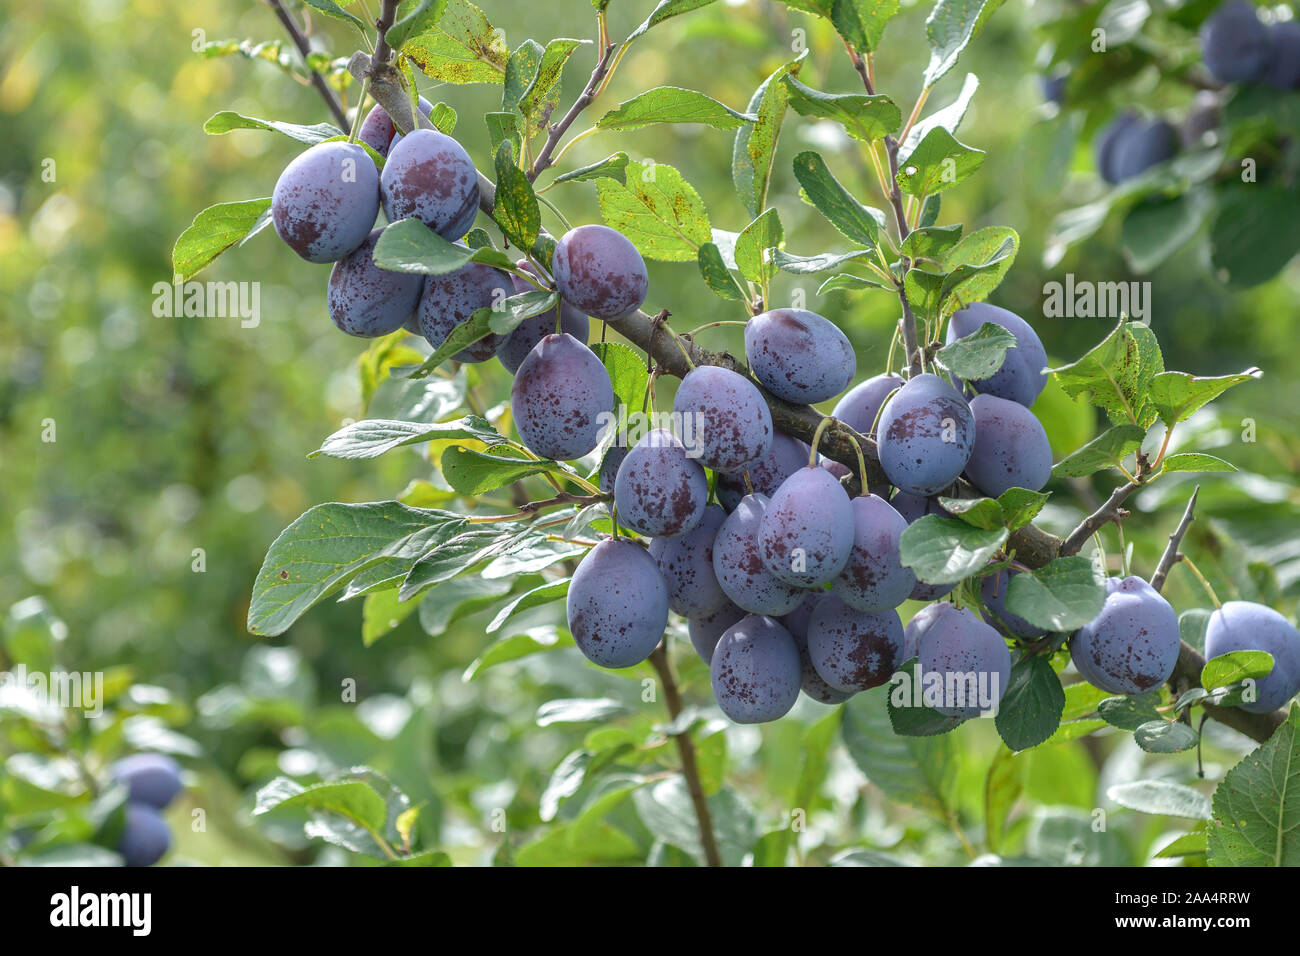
(705, 631)
(1132, 645)
(609, 466)
(686, 563)
(786, 456)
(452, 298)
(1108, 140)
(966, 659)
(739, 566)
(560, 397)
(874, 579)
(145, 838)
(367, 301)
(1202, 119)
(854, 650)
(755, 671)
(861, 404)
(731, 426)
(377, 129)
(1283, 71)
(326, 200)
(599, 271)
(149, 778)
(993, 592)
(1023, 373)
(807, 530)
(617, 605)
(659, 491)
(1142, 145)
(1236, 46)
(1011, 447)
(1246, 626)
(813, 684)
(799, 356)
(836, 468)
(926, 435)
(1053, 87)
(918, 625)
(514, 348)
(429, 175)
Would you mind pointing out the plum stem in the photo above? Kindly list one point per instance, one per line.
(1196, 572)
(361, 102)
(822, 425)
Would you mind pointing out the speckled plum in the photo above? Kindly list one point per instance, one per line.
(1235, 44)
(1246, 626)
(993, 592)
(926, 436)
(1022, 376)
(617, 604)
(659, 491)
(739, 566)
(599, 271)
(367, 301)
(807, 531)
(860, 404)
(452, 298)
(1011, 447)
(150, 778)
(326, 200)
(813, 684)
(705, 631)
(874, 578)
(755, 671)
(560, 398)
(686, 563)
(429, 175)
(145, 838)
(854, 650)
(786, 456)
(609, 466)
(514, 348)
(728, 423)
(967, 661)
(1132, 645)
(799, 356)
(918, 625)
(377, 129)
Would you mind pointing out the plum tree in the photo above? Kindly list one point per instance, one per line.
(731, 425)
(926, 435)
(755, 671)
(912, 507)
(1132, 645)
(452, 298)
(1011, 447)
(516, 345)
(367, 301)
(686, 563)
(377, 129)
(1108, 140)
(559, 398)
(1283, 71)
(1247, 626)
(617, 605)
(874, 578)
(854, 650)
(149, 778)
(812, 683)
(1023, 374)
(786, 456)
(861, 404)
(705, 631)
(1142, 145)
(968, 661)
(145, 838)
(659, 491)
(325, 202)
(807, 530)
(429, 175)
(1235, 45)
(799, 356)
(739, 565)
(600, 272)
(993, 592)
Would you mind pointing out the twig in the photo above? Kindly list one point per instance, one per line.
(1171, 555)
(1108, 512)
(387, 14)
(686, 750)
(304, 48)
(557, 130)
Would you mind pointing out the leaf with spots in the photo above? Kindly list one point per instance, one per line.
(671, 104)
(1257, 805)
(215, 230)
(659, 212)
(516, 211)
(462, 47)
(950, 28)
(864, 116)
(755, 145)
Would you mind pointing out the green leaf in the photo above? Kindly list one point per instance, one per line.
(948, 118)
(939, 162)
(716, 275)
(824, 192)
(332, 9)
(1162, 798)
(577, 710)
(371, 438)
(613, 166)
(1115, 375)
(354, 799)
(672, 104)
(1130, 713)
(516, 210)
(1191, 461)
(443, 118)
(668, 813)
(664, 10)
(1163, 737)
(864, 116)
(455, 598)
(213, 231)
(950, 28)
(945, 551)
(382, 612)
(1003, 785)
(755, 145)
(516, 646)
(1063, 596)
(411, 246)
(752, 245)
(1235, 667)
(918, 771)
(627, 372)
(1082, 699)
(547, 79)
(542, 594)
(1254, 233)
(226, 121)
(844, 282)
(976, 265)
(424, 17)
(1257, 805)
(477, 326)
(1021, 506)
(1156, 228)
(503, 127)
(931, 242)
(1107, 450)
(523, 305)
(329, 545)
(474, 472)
(983, 513)
(810, 265)
(521, 70)
(657, 210)
(1176, 395)
(1193, 844)
(1030, 709)
(978, 355)
(862, 22)
(910, 715)
(461, 48)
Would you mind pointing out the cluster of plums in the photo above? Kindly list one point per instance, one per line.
(1237, 47)
(325, 205)
(152, 782)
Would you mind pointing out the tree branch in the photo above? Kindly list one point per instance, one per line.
(1108, 512)
(318, 81)
(557, 130)
(1171, 555)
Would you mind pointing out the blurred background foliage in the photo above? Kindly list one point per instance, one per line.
(180, 434)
